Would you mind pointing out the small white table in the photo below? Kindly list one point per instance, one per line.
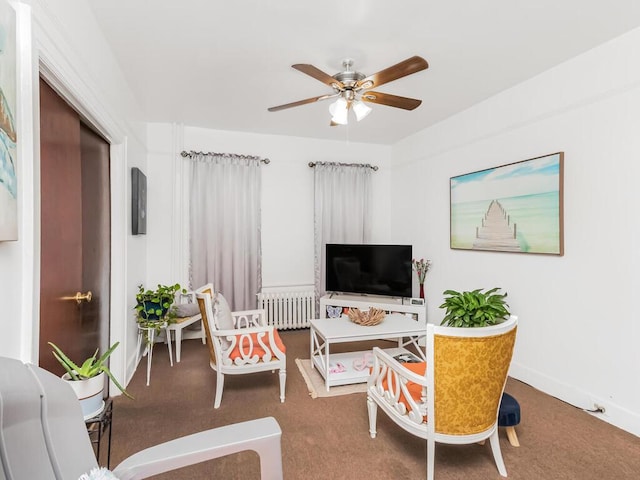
(180, 324)
(327, 331)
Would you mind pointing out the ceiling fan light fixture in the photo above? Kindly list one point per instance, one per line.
(361, 109)
(352, 88)
(339, 111)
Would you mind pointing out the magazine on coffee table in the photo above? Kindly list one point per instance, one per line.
(407, 357)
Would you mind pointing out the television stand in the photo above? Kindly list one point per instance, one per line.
(365, 302)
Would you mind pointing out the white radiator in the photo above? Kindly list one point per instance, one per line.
(288, 310)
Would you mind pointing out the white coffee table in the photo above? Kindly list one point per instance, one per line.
(328, 331)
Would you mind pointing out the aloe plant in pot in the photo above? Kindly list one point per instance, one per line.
(87, 379)
(474, 308)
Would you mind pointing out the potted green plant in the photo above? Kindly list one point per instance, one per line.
(87, 379)
(474, 308)
(155, 304)
(154, 307)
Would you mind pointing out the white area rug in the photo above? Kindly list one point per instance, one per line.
(315, 382)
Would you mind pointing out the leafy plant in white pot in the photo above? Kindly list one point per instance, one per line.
(87, 379)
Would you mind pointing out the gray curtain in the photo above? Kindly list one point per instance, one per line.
(342, 203)
(224, 226)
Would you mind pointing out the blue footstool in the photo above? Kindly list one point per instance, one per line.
(509, 417)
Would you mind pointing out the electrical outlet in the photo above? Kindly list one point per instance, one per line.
(599, 408)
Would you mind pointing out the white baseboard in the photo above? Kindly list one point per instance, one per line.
(614, 414)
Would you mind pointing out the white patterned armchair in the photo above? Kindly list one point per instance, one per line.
(240, 342)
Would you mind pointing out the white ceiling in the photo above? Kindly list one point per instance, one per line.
(221, 64)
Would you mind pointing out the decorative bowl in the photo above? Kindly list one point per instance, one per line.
(372, 317)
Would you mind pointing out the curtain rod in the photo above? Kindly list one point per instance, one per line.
(372, 167)
(192, 153)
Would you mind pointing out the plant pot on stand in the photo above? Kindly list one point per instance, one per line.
(89, 392)
(151, 320)
(87, 379)
(153, 314)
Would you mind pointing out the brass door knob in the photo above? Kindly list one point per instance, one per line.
(79, 297)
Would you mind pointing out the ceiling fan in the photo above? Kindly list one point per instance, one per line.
(352, 89)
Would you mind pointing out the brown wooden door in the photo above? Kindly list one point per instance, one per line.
(74, 233)
(96, 251)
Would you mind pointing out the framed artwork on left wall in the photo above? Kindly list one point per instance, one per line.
(138, 202)
(8, 134)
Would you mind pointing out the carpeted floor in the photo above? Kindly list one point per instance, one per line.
(327, 438)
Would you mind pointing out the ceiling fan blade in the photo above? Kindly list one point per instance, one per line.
(317, 74)
(300, 102)
(391, 100)
(399, 70)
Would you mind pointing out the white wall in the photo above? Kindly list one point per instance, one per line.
(16, 256)
(287, 195)
(578, 337)
(63, 42)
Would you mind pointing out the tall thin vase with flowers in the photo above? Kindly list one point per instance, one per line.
(421, 267)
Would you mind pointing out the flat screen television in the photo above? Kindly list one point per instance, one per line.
(369, 269)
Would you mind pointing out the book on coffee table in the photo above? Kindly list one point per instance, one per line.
(407, 358)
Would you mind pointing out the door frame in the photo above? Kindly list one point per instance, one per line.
(43, 56)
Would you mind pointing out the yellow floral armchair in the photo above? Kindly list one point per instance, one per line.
(452, 398)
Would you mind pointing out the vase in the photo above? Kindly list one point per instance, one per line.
(422, 290)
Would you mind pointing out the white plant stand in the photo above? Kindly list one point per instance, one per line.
(150, 333)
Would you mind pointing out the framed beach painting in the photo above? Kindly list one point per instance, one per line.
(8, 135)
(510, 208)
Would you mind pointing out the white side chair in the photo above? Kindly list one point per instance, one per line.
(188, 313)
(43, 435)
(240, 342)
